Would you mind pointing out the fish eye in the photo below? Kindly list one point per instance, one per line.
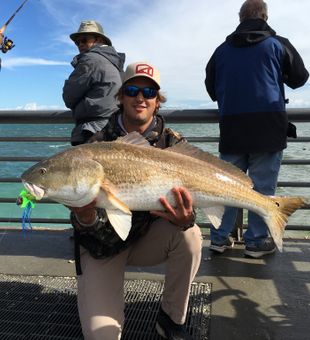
(42, 171)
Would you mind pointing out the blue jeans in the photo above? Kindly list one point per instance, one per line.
(263, 169)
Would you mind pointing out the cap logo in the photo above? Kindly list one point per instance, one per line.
(144, 69)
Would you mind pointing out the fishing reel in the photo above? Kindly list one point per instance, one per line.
(7, 45)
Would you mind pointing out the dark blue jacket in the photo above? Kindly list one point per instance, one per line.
(246, 76)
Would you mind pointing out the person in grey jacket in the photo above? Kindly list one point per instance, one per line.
(91, 88)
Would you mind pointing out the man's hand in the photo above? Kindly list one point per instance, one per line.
(182, 214)
(86, 215)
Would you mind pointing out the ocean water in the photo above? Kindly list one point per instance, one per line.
(298, 173)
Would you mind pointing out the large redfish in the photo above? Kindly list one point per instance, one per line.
(129, 174)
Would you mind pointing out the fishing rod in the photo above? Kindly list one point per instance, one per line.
(5, 43)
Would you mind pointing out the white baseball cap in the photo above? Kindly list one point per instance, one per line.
(142, 69)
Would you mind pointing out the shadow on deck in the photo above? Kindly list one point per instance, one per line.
(259, 299)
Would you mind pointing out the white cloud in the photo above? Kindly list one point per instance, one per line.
(33, 106)
(298, 98)
(24, 61)
(36, 107)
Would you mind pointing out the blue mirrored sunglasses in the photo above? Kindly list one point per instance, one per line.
(133, 91)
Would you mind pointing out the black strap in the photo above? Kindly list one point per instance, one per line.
(77, 254)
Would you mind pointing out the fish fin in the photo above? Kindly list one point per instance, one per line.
(133, 138)
(192, 151)
(120, 221)
(107, 188)
(119, 215)
(285, 207)
(215, 215)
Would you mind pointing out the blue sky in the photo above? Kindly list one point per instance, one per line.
(178, 36)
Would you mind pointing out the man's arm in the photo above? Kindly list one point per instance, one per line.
(78, 83)
(210, 78)
(87, 215)
(294, 72)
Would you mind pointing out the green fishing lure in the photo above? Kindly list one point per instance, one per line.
(26, 201)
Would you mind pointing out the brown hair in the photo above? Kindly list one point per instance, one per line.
(253, 9)
(160, 98)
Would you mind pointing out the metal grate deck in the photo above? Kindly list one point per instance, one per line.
(35, 307)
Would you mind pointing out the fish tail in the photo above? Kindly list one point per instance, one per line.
(284, 207)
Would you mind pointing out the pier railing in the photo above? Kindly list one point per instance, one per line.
(172, 116)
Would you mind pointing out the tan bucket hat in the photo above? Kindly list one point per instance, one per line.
(142, 69)
(90, 27)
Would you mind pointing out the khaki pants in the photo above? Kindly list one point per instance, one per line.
(101, 286)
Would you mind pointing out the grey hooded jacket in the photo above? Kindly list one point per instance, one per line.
(91, 88)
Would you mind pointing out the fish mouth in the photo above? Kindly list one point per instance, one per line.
(34, 190)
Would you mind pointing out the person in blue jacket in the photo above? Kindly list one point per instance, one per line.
(246, 76)
(91, 88)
